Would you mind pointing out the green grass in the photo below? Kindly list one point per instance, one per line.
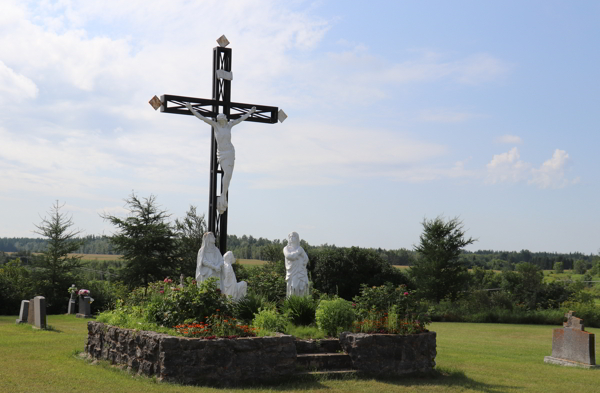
(471, 358)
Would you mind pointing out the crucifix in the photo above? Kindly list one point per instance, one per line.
(221, 114)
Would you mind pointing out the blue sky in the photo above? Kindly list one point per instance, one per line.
(398, 111)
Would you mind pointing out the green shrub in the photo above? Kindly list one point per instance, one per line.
(305, 332)
(245, 308)
(300, 309)
(268, 319)
(335, 316)
(266, 280)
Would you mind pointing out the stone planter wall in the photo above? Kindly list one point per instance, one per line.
(193, 361)
(254, 359)
(390, 354)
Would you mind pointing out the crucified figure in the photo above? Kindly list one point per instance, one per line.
(225, 150)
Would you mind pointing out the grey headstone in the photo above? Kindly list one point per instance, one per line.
(24, 312)
(572, 344)
(40, 312)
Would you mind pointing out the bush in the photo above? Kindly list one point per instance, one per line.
(269, 320)
(245, 308)
(335, 316)
(266, 280)
(300, 309)
(341, 271)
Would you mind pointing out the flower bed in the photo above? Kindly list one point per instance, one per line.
(193, 361)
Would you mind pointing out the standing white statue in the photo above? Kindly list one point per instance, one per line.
(296, 260)
(210, 261)
(225, 150)
(236, 290)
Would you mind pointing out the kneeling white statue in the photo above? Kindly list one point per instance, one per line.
(296, 260)
(210, 261)
(236, 290)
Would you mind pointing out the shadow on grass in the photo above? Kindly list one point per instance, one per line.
(440, 377)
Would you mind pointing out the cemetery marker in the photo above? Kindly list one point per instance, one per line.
(210, 109)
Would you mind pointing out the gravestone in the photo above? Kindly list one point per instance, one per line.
(24, 312)
(39, 312)
(72, 302)
(31, 312)
(572, 345)
(85, 309)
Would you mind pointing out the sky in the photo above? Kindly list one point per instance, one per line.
(399, 111)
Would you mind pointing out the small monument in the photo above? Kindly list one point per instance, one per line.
(231, 287)
(39, 311)
(572, 346)
(72, 302)
(296, 276)
(31, 312)
(24, 313)
(85, 304)
(210, 261)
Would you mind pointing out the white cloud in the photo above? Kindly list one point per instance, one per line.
(509, 139)
(507, 167)
(552, 172)
(14, 86)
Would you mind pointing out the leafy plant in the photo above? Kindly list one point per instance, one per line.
(334, 316)
(300, 309)
(245, 308)
(269, 319)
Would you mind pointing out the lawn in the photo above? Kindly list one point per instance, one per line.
(471, 358)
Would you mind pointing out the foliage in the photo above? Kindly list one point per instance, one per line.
(189, 231)
(216, 326)
(15, 285)
(304, 332)
(559, 267)
(268, 319)
(341, 271)
(389, 309)
(266, 280)
(146, 240)
(245, 308)
(438, 272)
(55, 268)
(335, 316)
(579, 266)
(300, 309)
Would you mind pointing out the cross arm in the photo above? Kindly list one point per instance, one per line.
(204, 106)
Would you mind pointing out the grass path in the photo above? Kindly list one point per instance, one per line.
(471, 358)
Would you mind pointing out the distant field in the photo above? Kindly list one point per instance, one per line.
(251, 262)
(401, 267)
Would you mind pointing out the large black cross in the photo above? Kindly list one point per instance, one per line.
(221, 89)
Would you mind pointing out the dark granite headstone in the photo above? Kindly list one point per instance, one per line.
(572, 345)
(31, 313)
(40, 312)
(24, 312)
(85, 310)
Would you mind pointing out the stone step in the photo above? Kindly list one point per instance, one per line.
(318, 346)
(341, 373)
(324, 361)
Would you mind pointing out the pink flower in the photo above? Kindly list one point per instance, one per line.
(405, 293)
(162, 291)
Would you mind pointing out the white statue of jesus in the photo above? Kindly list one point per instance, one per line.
(225, 150)
(296, 275)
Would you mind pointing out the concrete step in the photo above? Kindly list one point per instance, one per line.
(324, 361)
(318, 346)
(340, 373)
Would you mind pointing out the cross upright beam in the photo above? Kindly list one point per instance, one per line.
(220, 103)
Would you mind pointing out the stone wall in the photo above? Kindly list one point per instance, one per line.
(192, 361)
(390, 354)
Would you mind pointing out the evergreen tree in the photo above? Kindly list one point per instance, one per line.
(55, 268)
(438, 272)
(189, 232)
(146, 240)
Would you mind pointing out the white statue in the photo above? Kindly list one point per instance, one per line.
(225, 150)
(210, 261)
(296, 260)
(236, 290)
